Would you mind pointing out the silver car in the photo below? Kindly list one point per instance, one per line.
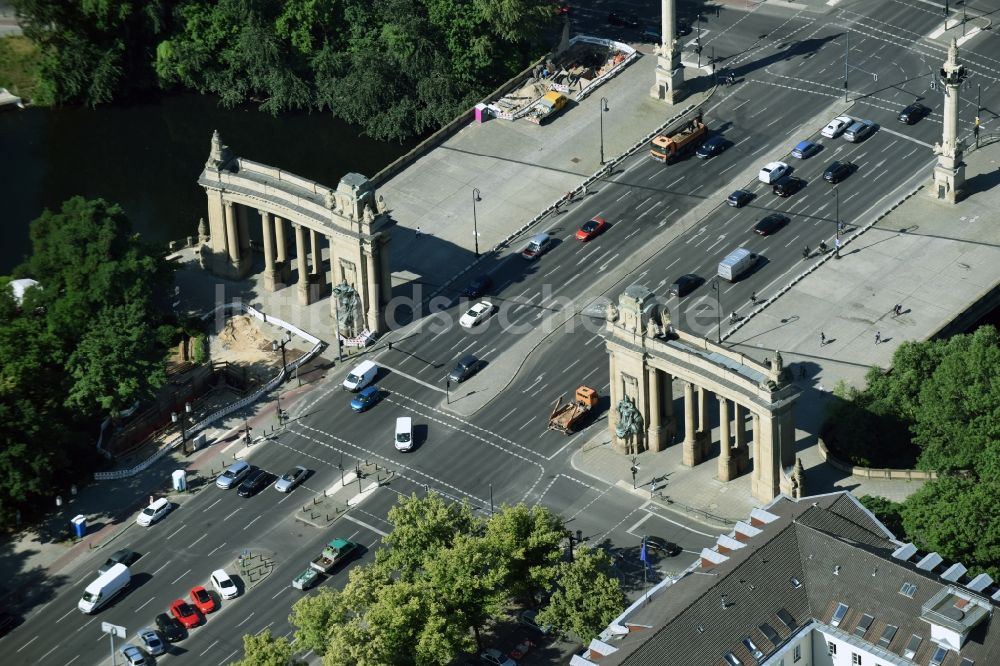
(290, 479)
(151, 642)
(133, 656)
(859, 131)
(233, 475)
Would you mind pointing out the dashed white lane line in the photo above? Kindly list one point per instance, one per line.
(414, 379)
(374, 529)
(174, 581)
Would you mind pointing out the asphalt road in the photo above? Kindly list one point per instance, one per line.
(790, 68)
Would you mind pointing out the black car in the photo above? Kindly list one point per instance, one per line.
(712, 147)
(170, 628)
(913, 113)
(8, 622)
(786, 186)
(685, 284)
(465, 368)
(123, 556)
(624, 19)
(669, 548)
(770, 224)
(739, 198)
(652, 33)
(837, 171)
(479, 286)
(256, 481)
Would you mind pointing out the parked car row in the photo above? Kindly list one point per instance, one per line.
(250, 480)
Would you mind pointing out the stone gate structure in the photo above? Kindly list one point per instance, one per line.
(647, 354)
(352, 219)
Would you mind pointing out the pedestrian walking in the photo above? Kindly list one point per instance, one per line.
(878, 337)
(584, 190)
(753, 298)
(898, 310)
(416, 234)
(822, 338)
(390, 345)
(151, 499)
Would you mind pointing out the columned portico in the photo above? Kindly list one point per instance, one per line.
(300, 253)
(669, 71)
(270, 271)
(643, 347)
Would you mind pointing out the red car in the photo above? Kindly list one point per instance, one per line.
(595, 227)
(201, 598)
(184, 613)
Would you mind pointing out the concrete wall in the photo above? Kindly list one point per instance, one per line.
(873, 472)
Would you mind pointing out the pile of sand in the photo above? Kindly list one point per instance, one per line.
(241, 341)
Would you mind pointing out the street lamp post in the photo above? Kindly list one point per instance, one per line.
(604, 108)
(697, 41)
(847, 52)
(836, 243)
(181, 418)
(281, 412)
(275, 345)
(475, 226)
(718, 311)
(714, 77)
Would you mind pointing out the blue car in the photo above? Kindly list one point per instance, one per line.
(365, 399)
(805, 149)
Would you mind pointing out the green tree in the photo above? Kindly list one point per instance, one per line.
(587, 596)
(263, 649)
(956, 517)
(314, 615)
(421, 526)
(887, 511)
(530, 543)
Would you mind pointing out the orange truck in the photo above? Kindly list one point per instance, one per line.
(565, 417)
(547, 108)
(669, 147)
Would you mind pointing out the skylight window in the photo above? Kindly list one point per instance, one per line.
(733, 659)
(753, 649)
(838, 615)
(939, 656)
(770, 633)
(863, 625)
(787, 619)
(912, 646)
(908, 589)
(887, 635)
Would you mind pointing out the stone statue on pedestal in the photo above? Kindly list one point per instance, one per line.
(629, 422)
(348, 310)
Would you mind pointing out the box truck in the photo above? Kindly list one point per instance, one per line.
(736, 264)
(108, 585)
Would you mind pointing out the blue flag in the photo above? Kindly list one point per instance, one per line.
(642, 551)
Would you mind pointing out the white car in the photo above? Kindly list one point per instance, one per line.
(223, 584)
(476, 314)
(154, 512)
(837, 126)
(495, 657)
(772, 171)
(403, 439)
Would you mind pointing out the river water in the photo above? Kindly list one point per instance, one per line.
(147, 156)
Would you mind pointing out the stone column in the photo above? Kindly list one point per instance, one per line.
(786, 436)
(374, 313)
(654, 434)
(764, 483)
(614, 395)
(300, 255)
(741, 453)
(243, 226)
(727, 469)
(315, 256)
(232, 238)
(669, 418)
(270, 273)
(949, 172)
(669, 72)
(704, 434)
(284, 266)
(692, 454)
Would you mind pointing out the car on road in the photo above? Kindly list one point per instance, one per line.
(859, 131)
(495, 657)
(478, 286)
(233, 475)
(770, 224)
(366, 398)
(803, 150)
(837, 126)
(712, 146)
(739, 198)
(685, 284)
(151, 642)
(152, 513)
(169, 627)
(132, 655)
(529, 619)
(652, 32)
(475, 315)
(184, 613)
(669, 548)
(913, 113)
(837, 171)
(591, 229)
(537, 246)
(465, 368)
(223, 584)
(123, 556)
(772, 171)
(623, 19)
(255, 481)
(403, 437)
(290, 479)
(202, 599)
(787, 186)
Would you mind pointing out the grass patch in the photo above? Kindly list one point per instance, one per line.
(18, 63)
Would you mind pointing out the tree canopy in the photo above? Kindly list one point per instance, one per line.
(396, 67)
(89, 341)
(445, 574)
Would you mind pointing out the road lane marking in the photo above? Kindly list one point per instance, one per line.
(65, 614)
(241, 623)
(374, 529)
(638, 524)
(144, 605)
(85, 625)
(161, 568)
(267, 626)
(28, 643)
(675, 182)
(252, 522)
(211, 505)
(169, 536)
(75, 658)
(42, 658)
(226, 660)
(527, 423)
(198, 539)
(174, 581)
(234, 512)
(279, 593)
(214, 643)
(903, 136)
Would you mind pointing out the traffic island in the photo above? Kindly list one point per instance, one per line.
(354, 487)
(254, 567)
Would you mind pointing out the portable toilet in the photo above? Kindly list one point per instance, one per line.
(79, 526)
(179, 478)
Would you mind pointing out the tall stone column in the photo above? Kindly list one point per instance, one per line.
(669, 72)
(786, 436)
(270, 273)
(333, 275)
(316, 258)
(654, 434)
(300, 255)
(374, 313)
(614, 395)
(704, 434)
(692, 453)
(949, 172)
(727, 467)
(244, 229)
(764, 483)
(284, 266)
(741, 454)
(232, 237)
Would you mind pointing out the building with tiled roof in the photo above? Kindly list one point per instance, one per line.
(816, 581)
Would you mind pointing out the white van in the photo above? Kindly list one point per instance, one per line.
(108, 585)
(361, 376)
(153, 512)
(403, 439)
(736, 264)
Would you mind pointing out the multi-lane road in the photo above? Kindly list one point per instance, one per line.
(790, 66)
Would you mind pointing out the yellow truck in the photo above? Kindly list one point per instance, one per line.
(669, 147)
(547, 107)
(565, 417)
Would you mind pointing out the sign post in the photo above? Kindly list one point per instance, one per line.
(113, 630)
